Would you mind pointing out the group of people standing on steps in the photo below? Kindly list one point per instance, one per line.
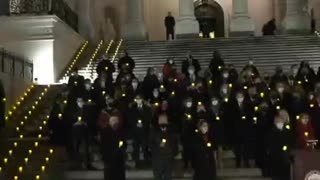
(262, 118)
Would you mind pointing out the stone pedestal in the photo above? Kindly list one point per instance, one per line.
(134, 29)
(241, 22)
(187, 25)
(297, 19)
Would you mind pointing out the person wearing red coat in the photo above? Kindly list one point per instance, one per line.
(305, 131)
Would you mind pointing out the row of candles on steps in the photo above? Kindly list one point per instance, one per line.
(76, 59)
(21, 136)
(36, 144)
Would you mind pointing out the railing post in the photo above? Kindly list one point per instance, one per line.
(22, 70)
(2, 60)
(13, 66)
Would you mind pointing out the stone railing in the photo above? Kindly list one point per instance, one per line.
(45, 7)
(15, 66)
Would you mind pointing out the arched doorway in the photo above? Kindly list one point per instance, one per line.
(210, 17)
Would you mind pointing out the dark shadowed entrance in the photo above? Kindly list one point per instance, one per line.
(210, 17)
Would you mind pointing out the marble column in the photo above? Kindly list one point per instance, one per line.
(297, 19)
(134, 28)
(187, 25)
(241, 22)
(84, 21)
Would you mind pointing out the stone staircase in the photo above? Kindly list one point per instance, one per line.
(229, 172)
(284, 50)
(109, 49)
(25, 152)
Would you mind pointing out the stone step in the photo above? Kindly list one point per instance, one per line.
(148, 174)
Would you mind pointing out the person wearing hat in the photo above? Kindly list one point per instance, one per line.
(126, 64)
(105, 66)
(76, 83)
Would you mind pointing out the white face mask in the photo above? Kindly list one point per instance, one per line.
(155, 94)
(214, 102)
(295, 72)
(240, 99)
(225, 75)
(87, 86)
(103, 84)
(189, 104)
(160, 75)
(113, 121)
(224, 91)
(280, 125)
(139, 101)
(304, 121)
(191, 71)
(170, 61)
(204, 129)
(80, 104)
(280, 90)
(135, 85)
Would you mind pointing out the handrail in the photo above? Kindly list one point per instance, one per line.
(15, 65)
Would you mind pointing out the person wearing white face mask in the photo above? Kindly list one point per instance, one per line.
(217, 114)
(203, 148)
(87, 94)
(279, 147)
(190, 61)
(80, 135)
(135, 88)
(164, 147)
(241, 130)
(305, 132)
(113, 147)
(140, 116)
(188, 126)
(192, 76)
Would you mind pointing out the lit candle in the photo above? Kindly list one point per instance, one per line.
(288, 127)
(20, 169)
(284, 148)
(120, 144)
(5, 160)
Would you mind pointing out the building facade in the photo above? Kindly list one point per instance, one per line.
(144, 19)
